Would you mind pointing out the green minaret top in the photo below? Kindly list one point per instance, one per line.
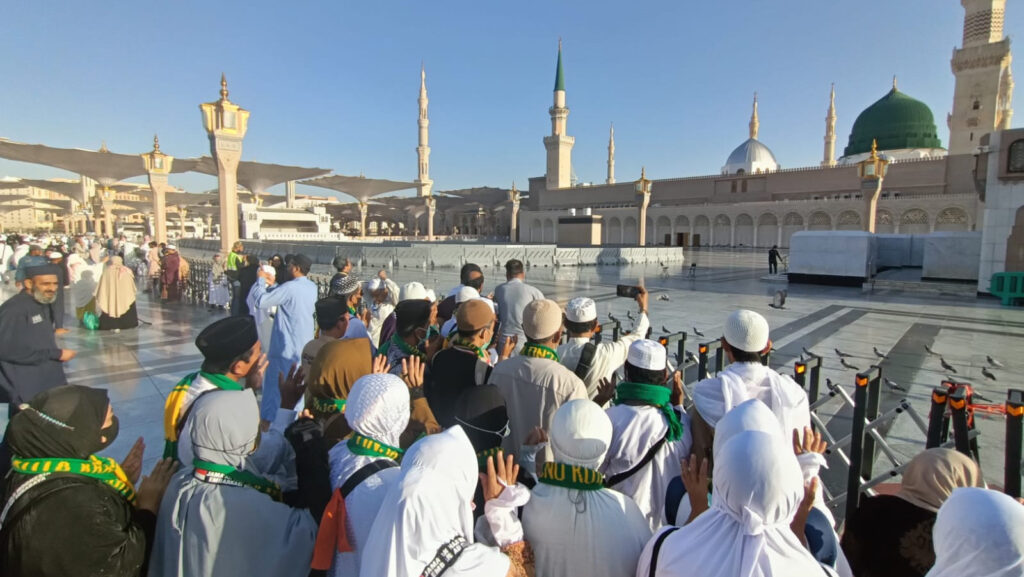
(559, 75)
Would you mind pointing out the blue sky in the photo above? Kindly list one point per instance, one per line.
(334, 84)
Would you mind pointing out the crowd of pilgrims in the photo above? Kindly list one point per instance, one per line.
(384, 432)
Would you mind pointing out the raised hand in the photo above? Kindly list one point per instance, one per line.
(254, 378)
(508, 346)
(678, 395)
(800, 520)
(605, 391)
(132, 463)
(498, 476)
(151, 490)
(695, 479)
(412, 372)
(380, 365)
(291, 386)
(811, 443)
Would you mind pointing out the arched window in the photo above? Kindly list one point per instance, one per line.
(743, 187)
(734, 186)
(977, 105)
(1015, 161)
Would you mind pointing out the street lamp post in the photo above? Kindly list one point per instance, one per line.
(158, 166)
(872, 172)
(226, 124)
(643, 191)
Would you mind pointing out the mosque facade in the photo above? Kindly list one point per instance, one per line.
(752, 201)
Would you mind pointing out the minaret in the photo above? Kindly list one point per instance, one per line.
(755, 124)
(611, 156)
(559, 145)
(982, 99)
(830, 131)
(423, 150)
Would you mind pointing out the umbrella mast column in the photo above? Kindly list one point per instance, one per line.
(226, 124)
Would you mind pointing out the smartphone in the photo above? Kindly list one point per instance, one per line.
(625, 290)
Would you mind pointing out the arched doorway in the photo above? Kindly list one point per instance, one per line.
(820, 221)
(767, 230)
(722, 233)
(701, 231)
(613, 232)
(884, 222)
(536, 231)
(849, 220)
(744, 230)
(664, 228)
(953, 219)
(914, 221)
(683, 231)
(549, 230)
(629, 233)
(792, 222)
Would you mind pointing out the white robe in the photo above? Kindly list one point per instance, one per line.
(758, 487)
(636, 430)
(739, 382)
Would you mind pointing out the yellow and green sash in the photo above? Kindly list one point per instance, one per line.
(465, 344)
(571, 477)
(367, 447)
(101, 468)
(324, 406)
(482, 456)
(227, 475)
(176, 400)
(538, 352)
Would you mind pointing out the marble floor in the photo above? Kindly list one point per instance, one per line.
(140, 366)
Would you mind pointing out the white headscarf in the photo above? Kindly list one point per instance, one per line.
(224, 427)
(750, 415)
(979, 533)
(757, 489)
(377, 407)
(430, 505)
(739, 382)
(573, 532)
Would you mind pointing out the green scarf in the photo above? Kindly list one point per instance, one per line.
(482, 456)
(352, 311)
(572, 477)
(654, 395)
(176, 401)
(216, 473)
(101, 468)
(465, 344)
(367, 447)
(539, 352)
(328, 406)
(405, 348)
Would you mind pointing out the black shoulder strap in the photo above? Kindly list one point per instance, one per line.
(364, 473)
(657, 549)
(586, 360)
(616, 479)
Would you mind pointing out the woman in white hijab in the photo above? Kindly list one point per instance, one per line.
(979, 533)
(425, 527)
(575, 525)
(363, 469)
(219, 518)
(758, 489)
(84, 274)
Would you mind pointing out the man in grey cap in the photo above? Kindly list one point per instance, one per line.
(534, 383)
(596, 362)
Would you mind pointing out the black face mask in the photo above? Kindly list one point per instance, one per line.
(110, 433)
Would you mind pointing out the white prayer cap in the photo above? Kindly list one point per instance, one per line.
(581, 310)
(54, 254)
(466, 293)
(541, 319)
(269, 270)
(490, 303)
(647, 354)
(431, 296)
(172, 247)
(374, 284)
(378, 407)
(746, 331)
(581, 433)
(413, 291)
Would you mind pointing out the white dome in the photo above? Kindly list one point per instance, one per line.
(750, 157)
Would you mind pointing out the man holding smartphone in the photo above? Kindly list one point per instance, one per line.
(591, 362)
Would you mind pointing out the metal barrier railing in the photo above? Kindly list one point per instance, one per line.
(866, 391)
(1012, 465)
(704, 351)
(615, 327)
(807, 374)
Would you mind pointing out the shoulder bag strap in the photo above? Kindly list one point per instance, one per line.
(616, 479)
(364, 473)
(657, 549)
(586, 360)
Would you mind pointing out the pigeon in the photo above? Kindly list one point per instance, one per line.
(612, 317)
(809, 353)
(665, 329)
(893, 385)
(828, 383)
(779, 302)
(930, 351)
(663, 297)
(696, 332)
(980, 397)
(692, 357)
(988, 374)
(629, 315)
(947, 366)
(841, 354)
(994, 362)
(879, 353)
(842, 361)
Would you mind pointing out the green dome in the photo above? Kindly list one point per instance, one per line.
(897, 121)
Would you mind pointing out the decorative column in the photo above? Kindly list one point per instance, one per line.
(226, 124)
(106, 196)
(289, 194)
(431, 208)
(182, 212)
(480, 214)
(643, 191)
(158, 166)
(513, 225)
(872, 173)
(364, 208)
